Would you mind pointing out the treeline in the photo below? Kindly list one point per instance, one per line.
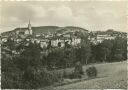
(31, 68)
(107, 51)
(110, 50)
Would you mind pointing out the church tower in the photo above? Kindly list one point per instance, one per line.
(30, 28)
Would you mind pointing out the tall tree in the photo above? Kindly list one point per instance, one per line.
(120, 48)
(83, 52)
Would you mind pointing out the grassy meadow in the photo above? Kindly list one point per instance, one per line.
(110, 75)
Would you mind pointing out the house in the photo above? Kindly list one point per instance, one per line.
(66, 35)
(4, 38)
(75, 41)
(101, 37)
(110, 37)
(62, 43)
(54, 42)
(43, 44)
(18, 40)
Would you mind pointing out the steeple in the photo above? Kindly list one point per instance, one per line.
(29, 27)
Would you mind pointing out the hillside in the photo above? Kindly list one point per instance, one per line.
(70, 29)
(111, 75)
(45, 29)
(49, 29)
(57, 29)
(109, 32)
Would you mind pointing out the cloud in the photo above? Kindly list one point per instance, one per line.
(39, 11)
(63, 12)
(21, 13)
(90, 15)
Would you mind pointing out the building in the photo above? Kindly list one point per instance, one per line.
(101, 37)
(44, 43)
(4, 38)
(75, 41)
(30, 28)
(24, 31)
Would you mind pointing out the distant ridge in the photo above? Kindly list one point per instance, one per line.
(45, 29)
(50, 29)
(68, 29)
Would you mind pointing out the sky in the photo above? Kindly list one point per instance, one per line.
(91, 15)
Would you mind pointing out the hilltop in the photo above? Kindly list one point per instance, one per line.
(68, 29)
(45, 29)
(49, 29)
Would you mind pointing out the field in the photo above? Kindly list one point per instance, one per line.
(110, 75)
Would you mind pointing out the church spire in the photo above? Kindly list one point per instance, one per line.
(29, 27)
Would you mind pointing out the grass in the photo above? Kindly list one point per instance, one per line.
(113, 76)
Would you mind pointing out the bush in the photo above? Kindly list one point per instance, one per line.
(76, 73)
(10, 80)
(91, 72)
(29, 80)
(44, 78)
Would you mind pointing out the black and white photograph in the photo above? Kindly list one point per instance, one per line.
(63, 45)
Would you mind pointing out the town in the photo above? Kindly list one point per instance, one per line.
(47, 55)
(59, 39)
(63, 45)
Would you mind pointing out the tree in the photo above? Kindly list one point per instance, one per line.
(106, 47)
(83, 52)
(26, 71)
(49, 44)
(119, 51)
(78, 68)
(10, 44)
(110, 50)
(29, 61)
(55, 58)
(102, 51)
